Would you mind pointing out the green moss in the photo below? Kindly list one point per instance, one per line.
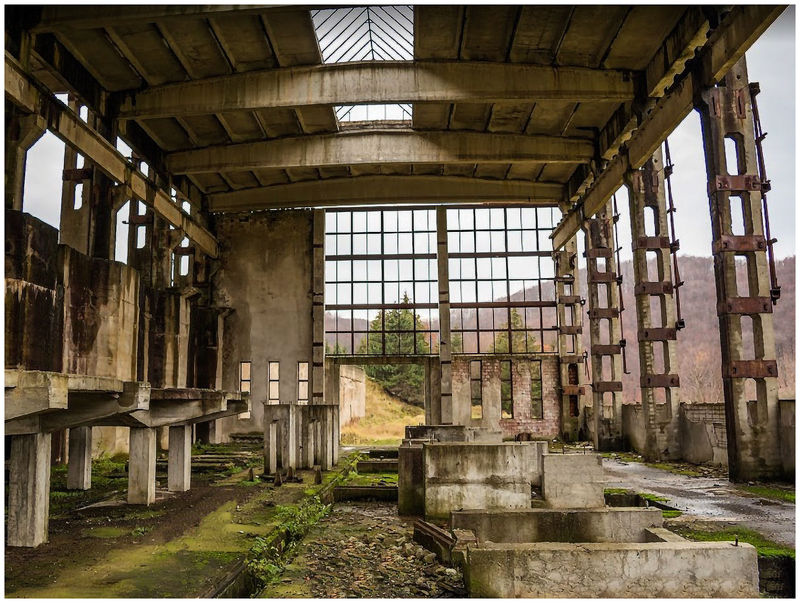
(653, 497)
(616, 491)
(144, 514)
(770, 492)
(678, 470)
(671, 513)
(764, 546)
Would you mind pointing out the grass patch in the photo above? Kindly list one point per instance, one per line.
(653, 497)
(616, 491)
(764, 546)
(144, 514)
(671, 513)
(678, 470)
(385, 420)
(770, 492)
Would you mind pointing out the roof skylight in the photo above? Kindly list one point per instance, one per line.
(365, 33)
(353, 113)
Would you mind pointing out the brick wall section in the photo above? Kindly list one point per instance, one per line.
(522, 422)
(709, 413)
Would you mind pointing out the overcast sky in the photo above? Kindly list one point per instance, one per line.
(771, 61)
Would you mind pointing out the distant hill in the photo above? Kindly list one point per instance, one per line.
(698, 344)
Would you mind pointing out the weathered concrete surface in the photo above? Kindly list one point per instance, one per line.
(707, 498)
(476, 476)
(29, 490)
(265, 276)
(664, 569)
(786, 431)
(179, 467)
(702, 434)
(616, 524)
(573, 481)
(410, 479)
(33, 392)
(79, 465)
(352, 393)
(142, 466)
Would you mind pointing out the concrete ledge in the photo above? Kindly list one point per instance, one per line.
(591, 570)
(568, 525)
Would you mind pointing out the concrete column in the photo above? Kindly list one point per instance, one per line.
(79, 465)
(657, 330)
(337, 434)
(743, 304)
(270, 446)
(317, 376)
(179, 464)
(570, 347)
(604, 331)
(22, 132)
(142, 466)
(445, 336)
(29, 490)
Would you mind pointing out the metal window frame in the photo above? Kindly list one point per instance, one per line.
(307, 381)
(270, 381)
(510, 382)
(242, 380)
(540, 399)
(472, 381)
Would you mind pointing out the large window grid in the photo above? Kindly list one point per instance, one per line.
(502, 280)
(381, 282)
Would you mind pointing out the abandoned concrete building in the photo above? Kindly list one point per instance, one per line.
(288, 193)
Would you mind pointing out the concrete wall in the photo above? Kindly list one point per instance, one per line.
(786, 433)
(265, 274)
(109, 441)
(167, 338)
(573, 481)
(702, 433)
(633, 434)
(546, 525)
(522, 421)
(589, 570)
(352, 393)
(468, 475)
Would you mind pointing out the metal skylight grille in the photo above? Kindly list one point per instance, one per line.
(365, 33)
(396, 112)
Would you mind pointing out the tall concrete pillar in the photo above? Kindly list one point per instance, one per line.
(270, 444)
(142, 466)
(433, 396)
(604, 331)
(743, 304)
(22, 132)
(179, 459)
(570, 348)
(79, 465)
(657, 332)
(445, 336)
(29, 490)
(318, 310)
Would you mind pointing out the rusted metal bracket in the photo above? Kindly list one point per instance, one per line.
(599, 252)
(652, 243)
(139, 219)
(607, 386)
(606, 349)
(77, 174)
(653, 288)
(573, 390)
(184, 250)
(739, 243)
(739, 183)
(569, 300)
(751, 369)
(570, 330)
(603, 313)
(571, 358)
(651, 380)
(659, 334)
(745, 305)
(602, 277)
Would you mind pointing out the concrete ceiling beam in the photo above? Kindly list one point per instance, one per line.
(379, 83)
(382, 147)
(70, 129)
(379, 190)
(726, 45)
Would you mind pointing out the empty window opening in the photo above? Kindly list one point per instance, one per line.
(475, 389)
(273, 382)
(574, 411)
(83, 113)
(187, 207)
(141, 236)
(749, 351)
(121, 236)
(732, 156)
(659, 358)
(606, 367)
(173, 194)
(123, 148)
(77, 199)
(506, 390)
(365, 33)
(737, 215)
(79, 161)
(302, 382)
(650, 224)
(244, 376)
(572, 374)
(537, 408)
(657, 313)
(184, 266)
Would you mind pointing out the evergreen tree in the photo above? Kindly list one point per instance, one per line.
(403, 380)
(522, 341)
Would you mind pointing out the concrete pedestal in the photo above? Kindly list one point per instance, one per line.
(179, 467)
(29, 490)
(142, 466)
(79, 466)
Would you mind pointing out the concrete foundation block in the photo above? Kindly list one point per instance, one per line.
(573, 481)
(179, 465)
(410, 480)
(29, 490)
(79, 465)
(142, 466)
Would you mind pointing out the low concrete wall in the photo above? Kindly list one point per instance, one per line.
(546, 525)
(573, 481)
(476, 476)
(410, 479)
(633, 427)
(786, 434)
(352, 393)
(590, 570)
(702, 433)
